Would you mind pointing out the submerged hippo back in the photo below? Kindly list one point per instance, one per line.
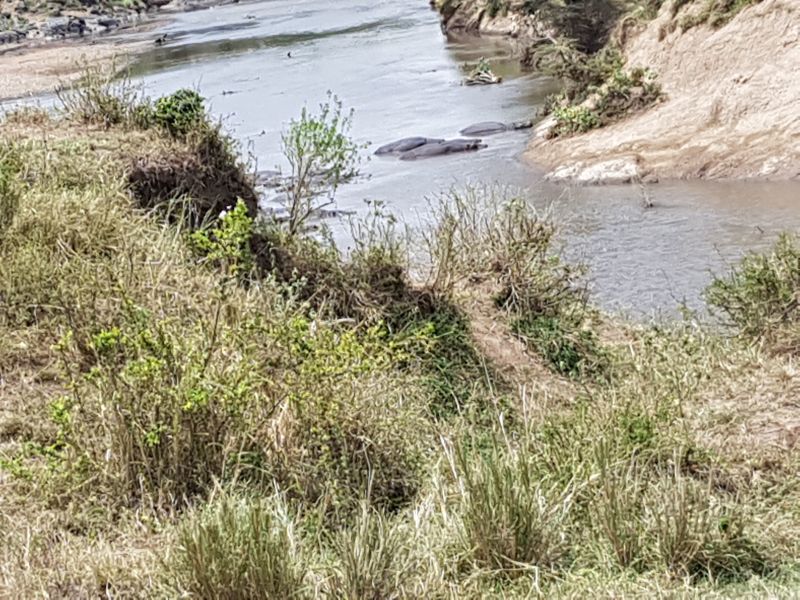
(442, 148)
(485, 128)
(405, 145)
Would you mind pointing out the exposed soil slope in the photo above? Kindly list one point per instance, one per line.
(732, 107)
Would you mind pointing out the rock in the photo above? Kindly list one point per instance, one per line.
(63, 26)
(108, 22)
(613, 171)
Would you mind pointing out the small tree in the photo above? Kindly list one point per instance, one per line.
(321, 155)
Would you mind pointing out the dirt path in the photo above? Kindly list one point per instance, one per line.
(732, 108)
(507, 354)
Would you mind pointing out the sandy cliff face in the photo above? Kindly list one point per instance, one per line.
(732, 108)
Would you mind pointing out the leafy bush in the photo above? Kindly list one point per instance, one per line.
(580, 71)
(180, 112)
(627, 91)
(321, 155)
(715, 13)
(598, 89)
(227, 244)
(574, 119)
(238, 547)
(156, 418)
(352, 425)
(760, 295)
(622, 93)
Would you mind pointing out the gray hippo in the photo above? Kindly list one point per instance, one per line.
(405, 145)
(493, 127)
(442, 148)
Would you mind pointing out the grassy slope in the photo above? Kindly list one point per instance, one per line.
(156, 389)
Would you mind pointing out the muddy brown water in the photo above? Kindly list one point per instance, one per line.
(260, 62)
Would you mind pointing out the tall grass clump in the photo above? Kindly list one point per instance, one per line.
(102, 97)
(369, 559)
(10, 167)
(496, 239)
(515, 521)
(658, 519)
(760, 295)
(238, 547)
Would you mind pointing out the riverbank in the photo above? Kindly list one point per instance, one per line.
(730, 94)
(731, 108)
(196, 402)
(40, 52)
(41, 68)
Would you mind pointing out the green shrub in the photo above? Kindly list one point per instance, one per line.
(760, 295)
(180, 112)
(321, 155)
(623, 92)
(597, 90)
(627, 91)
(568, 347)
(156, 418)
(715, 13)
(574, 119)
(238, 547)
(227, 245)
(581, 72)
(352, 423)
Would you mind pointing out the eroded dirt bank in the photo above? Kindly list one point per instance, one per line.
(732, 107)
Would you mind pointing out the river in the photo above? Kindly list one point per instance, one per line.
(259, 63)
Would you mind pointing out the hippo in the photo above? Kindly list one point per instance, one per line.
(493, 127)
(442, 148)
(405, 145)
